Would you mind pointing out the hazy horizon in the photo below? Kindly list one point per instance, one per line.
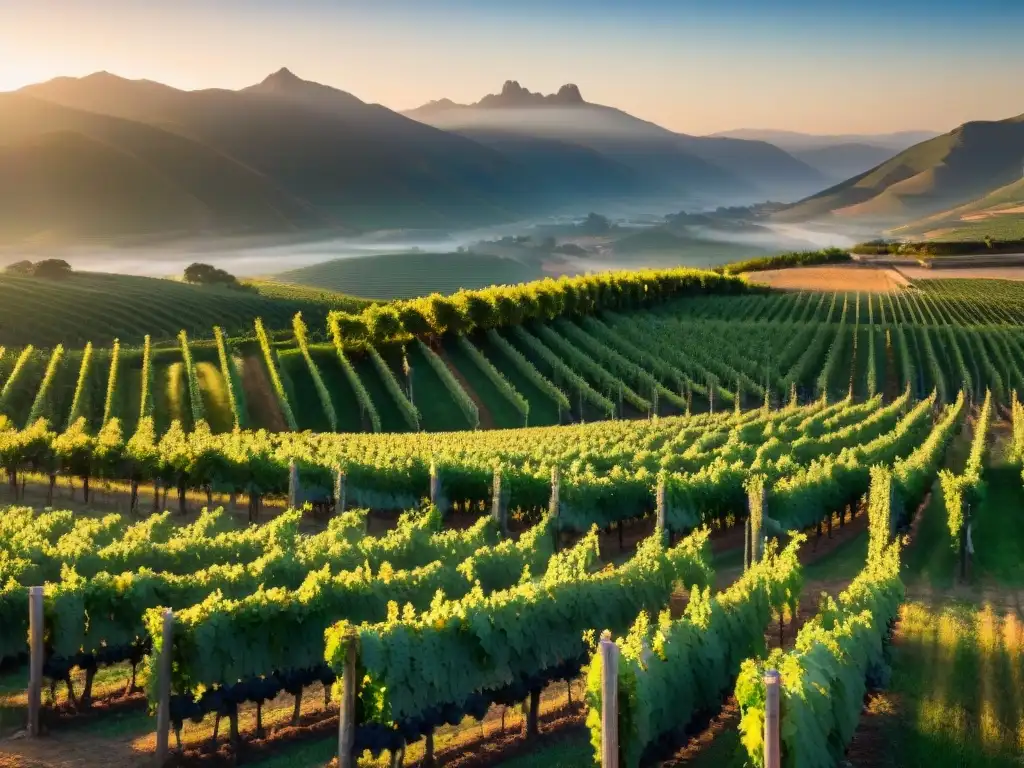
(873, 66)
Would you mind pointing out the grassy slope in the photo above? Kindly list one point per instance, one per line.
(948, 170)
(346, 408)
(23, 389)
(1009, 196)
(543, 410)
(501, 410)
(390, 417)
(153, 181)
(99, 307)
(170, 393)
(436, 404)
(303, 397)
(405, 275)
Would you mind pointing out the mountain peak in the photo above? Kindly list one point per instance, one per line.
(569, 94)
(513, 88)
(514, 95)
(283, 78)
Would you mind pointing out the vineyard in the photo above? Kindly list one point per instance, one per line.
(602, 502)
(379, 372)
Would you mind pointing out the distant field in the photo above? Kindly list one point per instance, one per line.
(978, 273)
(405, 275)
(1003, 226)
(100, 307)
(833, 277)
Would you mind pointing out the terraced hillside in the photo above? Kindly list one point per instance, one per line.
(101, 307)
(721, 434)
(679, 356)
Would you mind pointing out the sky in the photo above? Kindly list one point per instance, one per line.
(695, 66)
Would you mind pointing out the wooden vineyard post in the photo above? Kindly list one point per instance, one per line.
(661, 507)
(435, 484)
(293, 485)
(347, 718)
(163, 704)
(746, 545)
(772, 746)
(35, 674)
(555, 501)
(499, 502)
(339, 492)
(156, 495)
(609, 701)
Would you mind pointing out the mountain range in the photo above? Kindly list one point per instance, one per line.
(671, 162)
(103, 157)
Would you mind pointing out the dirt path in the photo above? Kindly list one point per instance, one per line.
(833, 277)
(486, 419)
(259, 396)
(72, 748)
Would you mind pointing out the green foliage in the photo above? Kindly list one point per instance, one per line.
(824, 676)
(1016, 449)
(270, 360)
(413, 661)
(301, 338)
(527, 369)
(39, 403)
(930, 249)
(496, 377)
(409, 411)
(785, 260)
(835, 353)
(462, 398)
(147, 404)
(195, 395)
(330, 578)
(115, 362)
(12, 382)
(671, 671)
(540, 300)
(967, 488)
(612, 387)
(98, 307)
(205, 274)
(563, 373)
(78, 401)
(366, 406)
(236, 393)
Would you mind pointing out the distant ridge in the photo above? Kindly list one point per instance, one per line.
(949, 170)
(669, 162)
(797, 141)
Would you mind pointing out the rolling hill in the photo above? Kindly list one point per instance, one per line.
(669, 162)
(949, 170)
(407, 275)
(794, 141)
(70, 173)
(360, 166)
(993, 214)
(101, 307)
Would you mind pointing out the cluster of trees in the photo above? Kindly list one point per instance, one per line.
(783, 260)
(206, 274)
(932, 248)
(47, 268)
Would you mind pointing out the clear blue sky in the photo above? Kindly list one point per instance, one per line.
(691, 65)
